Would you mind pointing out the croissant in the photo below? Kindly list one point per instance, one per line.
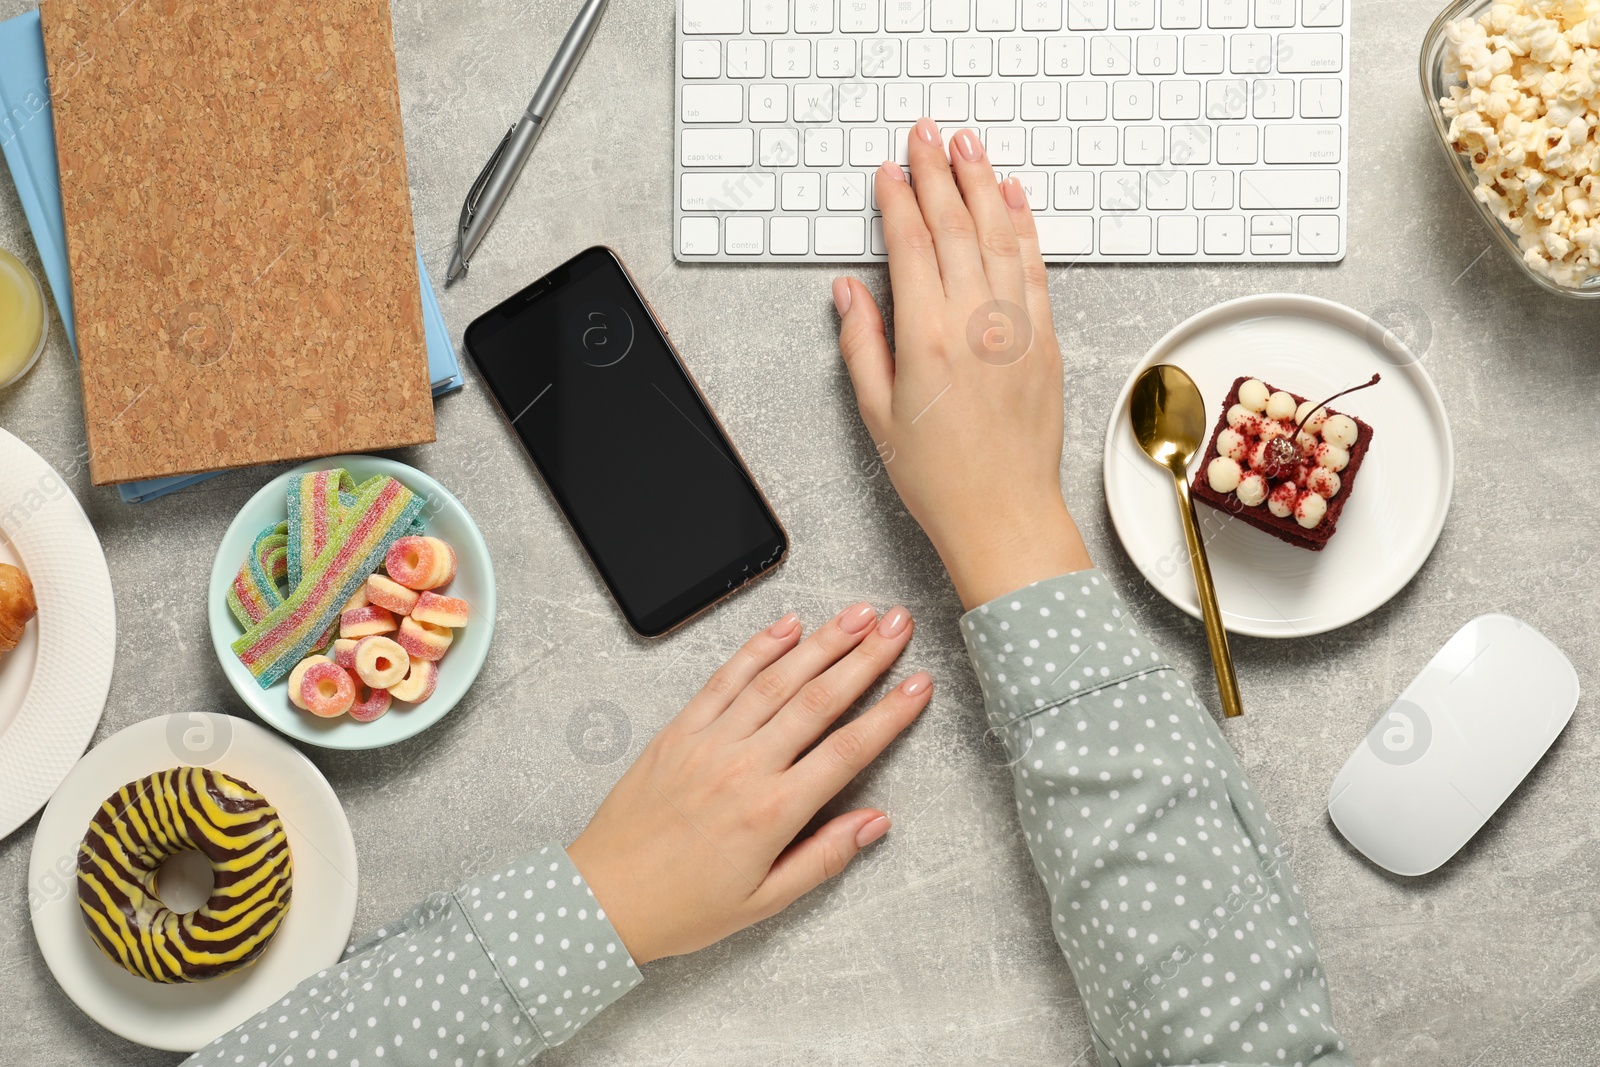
(17, 605)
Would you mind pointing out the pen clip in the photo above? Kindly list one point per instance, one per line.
(470, 207)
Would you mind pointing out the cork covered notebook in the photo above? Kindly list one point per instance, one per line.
(238, 231)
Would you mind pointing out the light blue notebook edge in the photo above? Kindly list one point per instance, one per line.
(29, 148)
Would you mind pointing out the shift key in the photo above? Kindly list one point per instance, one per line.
(1282, 190)
(1302, 143)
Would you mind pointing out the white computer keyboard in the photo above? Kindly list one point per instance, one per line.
(1143, 130)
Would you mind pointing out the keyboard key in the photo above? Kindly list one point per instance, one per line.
(948, 102)
(995, 102)
(701, 59)
(790, 236)
(1097, 145)
(879, 246)
(1301, 143)
(1319, 235)
(1036, 184)
(1315, 13)
(869, 147)
(769, 16)
(713, 103)
(1285, 190)
(780, 148)
(1274, 98)
(1156, 53)
(951, 16)
(836, 58)
(1041, 15)
(1088, 14)
(1065, 235)
(1226, 98)
(1178, 235)
(1251, 53)
(847, 191)
(1274, 223)
(713, 16)
(1063, 56)
(841, 235)
(1203, 53)
(1073, 190)
(899, 16)
(902, 102)
(769, 103)
(749, 190)
(802, 191)
(1166, 190)
(1007, 145)
(858, 102)
(1213, 190)
(747, 59)
(718, 148)
(813, 16)
(1191, 146)
(858, 16)
(1224, 235)
(1125, 235)
(1052, 147)
(824, 147)
(997, 15)
(1133, 100)
(1180, 14)
(880, 58)
(1321, 98)
(1121, 190)
(1180, 99)
(697, 236)
(1227, 14)
(1111, 55)
(1134, 14)
(742, 235)
(1041, 102)
(813, 102)
(1274, 14)
(972, 57)
(1087, 101)
(1270, 245)
(1236, 144)
(1310, 53)
(1019, 57)
(1144, 146)
(925, 58)
(791, 59)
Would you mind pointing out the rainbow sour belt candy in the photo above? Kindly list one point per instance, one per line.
(255, 590)
(338, 534)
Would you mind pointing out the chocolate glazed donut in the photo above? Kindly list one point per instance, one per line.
(179, 810)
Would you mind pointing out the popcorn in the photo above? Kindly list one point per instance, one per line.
(1526, 114)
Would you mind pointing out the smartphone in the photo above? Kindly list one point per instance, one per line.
(625, 441)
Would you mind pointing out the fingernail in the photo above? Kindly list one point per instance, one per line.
(857, 618)
(784, 626)
(841, 295)
(894, 622)
(892, 169)
(914, 685)
(1014, 194)
(969, 145)
(871, 831)
(928, 131)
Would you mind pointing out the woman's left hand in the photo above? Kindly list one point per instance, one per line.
(697, 839)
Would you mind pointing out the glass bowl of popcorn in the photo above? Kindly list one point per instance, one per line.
(1514, 90)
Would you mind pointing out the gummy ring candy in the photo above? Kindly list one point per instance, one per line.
(440, 610)
(363, 622)
(327, 690)
(424, 640)
(388, 593)
(380, 662)
(298, 675)
(372, 706)
(418, 684)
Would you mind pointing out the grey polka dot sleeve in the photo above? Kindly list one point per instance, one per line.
(508, 965)
(1170, 891)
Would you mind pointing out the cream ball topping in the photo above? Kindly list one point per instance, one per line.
(1339, 430)
(1280, 405)
(1309, 510)
(1324, 482)
(1332, 456)
(1254, 394)
(1224, 474)
(1252, 490)
(1231, 443)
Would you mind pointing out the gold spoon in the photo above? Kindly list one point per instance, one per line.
(1169, 422)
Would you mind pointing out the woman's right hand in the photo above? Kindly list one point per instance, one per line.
(967, 412)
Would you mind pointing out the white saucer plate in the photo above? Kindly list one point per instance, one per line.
(313, 935)
(53, 685)
(1313, 348)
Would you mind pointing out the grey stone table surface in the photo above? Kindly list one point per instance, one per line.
(935, 948)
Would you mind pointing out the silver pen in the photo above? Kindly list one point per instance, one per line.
(494, 182)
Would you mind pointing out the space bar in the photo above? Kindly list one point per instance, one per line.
(1280, 190)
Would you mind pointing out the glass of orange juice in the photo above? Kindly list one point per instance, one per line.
(22, 319)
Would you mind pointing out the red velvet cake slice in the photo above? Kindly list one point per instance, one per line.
(1261, 470)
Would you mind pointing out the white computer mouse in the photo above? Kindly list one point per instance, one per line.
(1451, 749)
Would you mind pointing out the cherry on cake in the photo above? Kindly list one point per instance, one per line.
(1281, 464)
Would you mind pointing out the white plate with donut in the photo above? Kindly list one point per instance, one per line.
(182, 1017)
(53, 684)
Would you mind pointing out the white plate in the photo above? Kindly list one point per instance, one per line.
(313, 934)
(1313, 348)
(53, 685)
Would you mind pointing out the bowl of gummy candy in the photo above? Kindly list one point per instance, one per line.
(352, 602)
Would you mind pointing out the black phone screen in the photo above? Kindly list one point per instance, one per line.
(643, 472)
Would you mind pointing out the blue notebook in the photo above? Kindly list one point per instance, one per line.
(29, 140)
